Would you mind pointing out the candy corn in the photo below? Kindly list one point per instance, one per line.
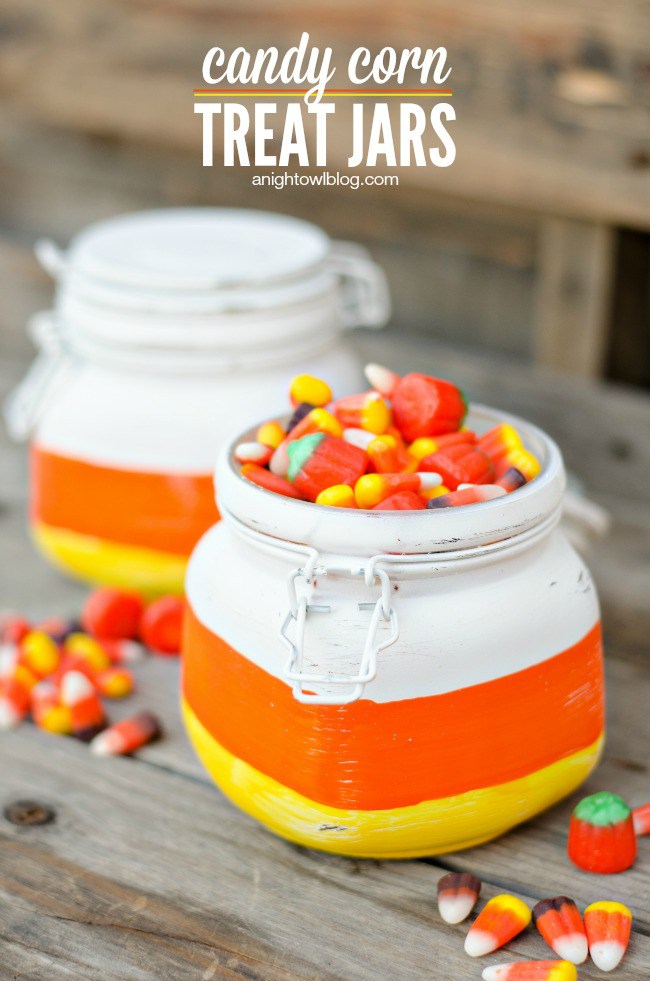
(457, 896)
(112, 613)
(601, 834)
(298, 414)
(641, 819)
(269, 481)
(531, 971)
(426, 406)
(367, 410)
(319, 461)
(115, 682)
(85, 648)
(123, 651)
(426, 445)
(161, 625)
(388, 454)
(47, 711)
(497, 923)
(270, 434)
(382, 379)
(499, 441)
(522, 460)
(13, 628)
(559, 922)
(402, 501)
(359, 437)
(373, 488)
(16, 684)
(469, 495)
(608, 927)
(511, 480)
(253, 453)
(39, 653)
(126, 736)
(459, 464)
(306, 388)
(438, 491)
(80, 695)
(338, 496)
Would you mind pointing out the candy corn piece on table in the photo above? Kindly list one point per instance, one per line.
(136, 868)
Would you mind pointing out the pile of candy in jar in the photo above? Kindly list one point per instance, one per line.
(58, 671)
(399, 447)
(602, 839)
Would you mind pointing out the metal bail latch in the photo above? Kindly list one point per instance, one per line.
(350, 687)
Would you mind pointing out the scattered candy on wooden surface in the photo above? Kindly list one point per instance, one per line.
(608, 926)
(601, 834)
(641, 819)
(458, 893)
(80, 695)
(406, 430)
(560, 924)
(161, 625)
(58, 670)
(112, 613)
(126, 736)
(531, 971)
(498, 922)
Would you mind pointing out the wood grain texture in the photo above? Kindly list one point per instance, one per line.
(546, 94)
(574, 294)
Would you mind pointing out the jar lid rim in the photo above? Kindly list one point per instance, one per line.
(198, 249)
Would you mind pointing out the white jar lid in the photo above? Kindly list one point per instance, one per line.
(182, 262)
(198, 249)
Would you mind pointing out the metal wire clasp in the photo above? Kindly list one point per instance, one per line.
(350, 687)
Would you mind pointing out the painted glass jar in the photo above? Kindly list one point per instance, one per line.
(393, 684)
(170, 327)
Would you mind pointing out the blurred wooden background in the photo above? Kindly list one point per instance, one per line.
(534, 243)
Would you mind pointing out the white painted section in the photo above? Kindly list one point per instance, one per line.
(173, 329)
(167, 423)
(462, 625)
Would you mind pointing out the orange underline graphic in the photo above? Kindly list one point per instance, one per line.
(329, 93)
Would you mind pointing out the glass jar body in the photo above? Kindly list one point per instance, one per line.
(486, 708)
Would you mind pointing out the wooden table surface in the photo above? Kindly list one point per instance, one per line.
(148, 872)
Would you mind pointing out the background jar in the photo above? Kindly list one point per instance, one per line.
(171, 328)
(428, 680)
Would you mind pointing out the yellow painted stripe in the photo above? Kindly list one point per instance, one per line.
(107, 563)
(428, 828)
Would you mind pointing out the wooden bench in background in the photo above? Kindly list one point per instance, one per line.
(533, 243)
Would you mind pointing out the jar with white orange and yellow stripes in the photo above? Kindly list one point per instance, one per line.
(170, 327)
(393, 684)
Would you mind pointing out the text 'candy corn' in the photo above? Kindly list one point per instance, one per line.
(457, 896)
(559, 922)
(498, 922)
(608, 927)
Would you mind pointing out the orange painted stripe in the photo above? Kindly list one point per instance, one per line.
(374, 756)
(152, 510)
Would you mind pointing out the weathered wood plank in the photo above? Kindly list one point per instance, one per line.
(525, 76)
(574, 290)
(161, 862)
